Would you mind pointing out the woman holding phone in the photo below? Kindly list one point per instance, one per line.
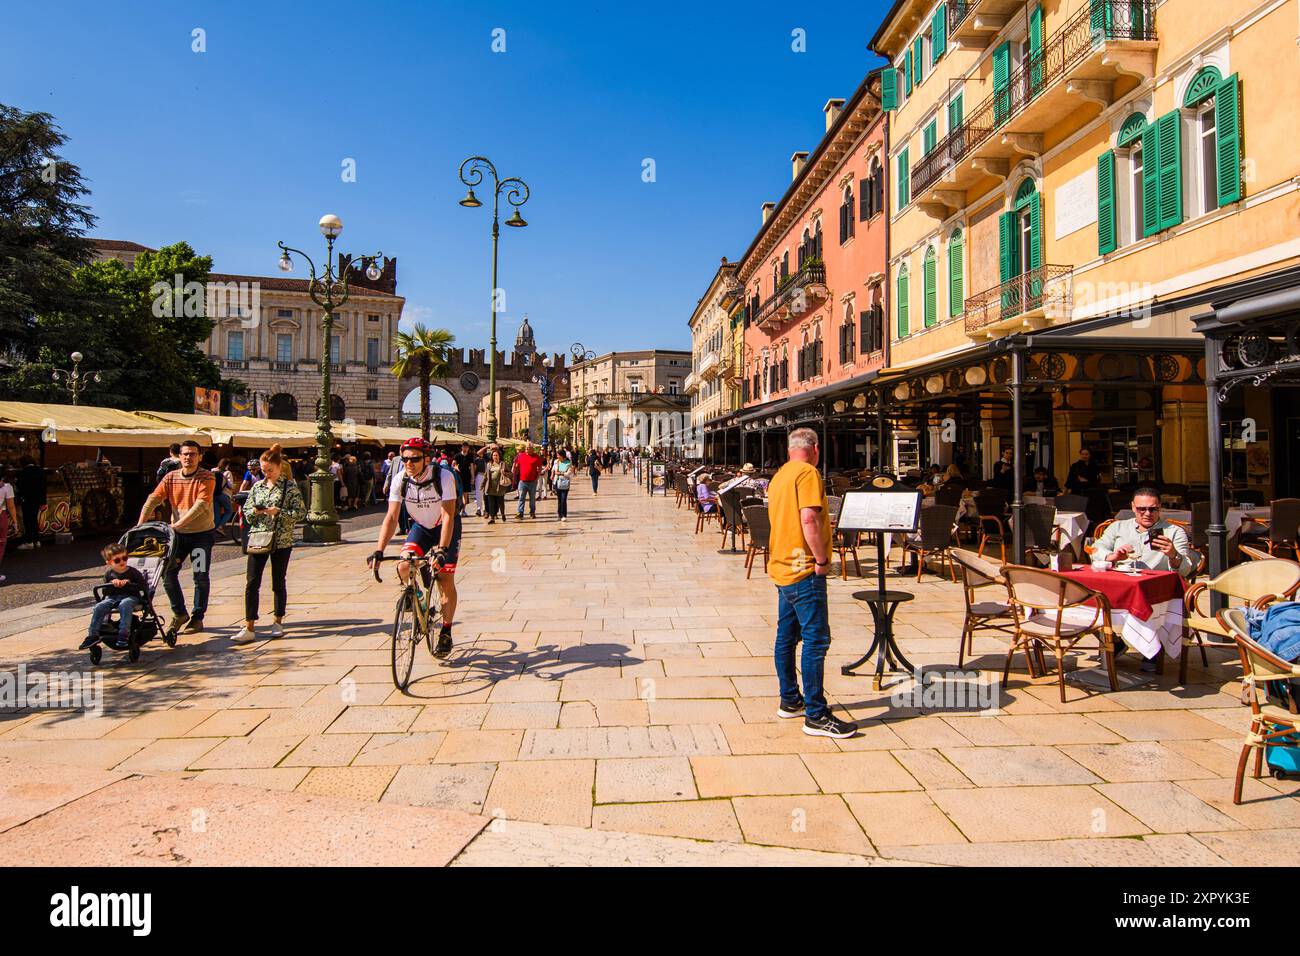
(273, 507)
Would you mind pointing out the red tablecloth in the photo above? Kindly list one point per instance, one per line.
(1127, 592)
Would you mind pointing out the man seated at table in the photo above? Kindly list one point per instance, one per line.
(747, 478)
(1147, 539)
(1044, 483)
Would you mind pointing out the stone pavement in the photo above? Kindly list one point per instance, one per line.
(611, 699)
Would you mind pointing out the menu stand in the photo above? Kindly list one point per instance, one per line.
(886, 509)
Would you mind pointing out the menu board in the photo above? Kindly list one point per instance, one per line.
(880, 510)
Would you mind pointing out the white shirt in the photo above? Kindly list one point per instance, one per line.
(423, 503)
(6, 494)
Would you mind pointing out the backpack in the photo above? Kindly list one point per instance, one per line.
(437, 480)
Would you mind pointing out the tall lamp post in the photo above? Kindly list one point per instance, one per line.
(74, 379)
(547, 384)
(516, 191)
(581, 354)
(329, 291)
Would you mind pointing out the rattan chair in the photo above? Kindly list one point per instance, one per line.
(934, 537)
(1283, 525)
(760, 530)
(991, 612)
(991, 504)
(844, 542)
(1041, 532)
(1256, 583)
(1270, 723)
(703, 517)
(1039, 599)
(1097, 532)
(949, 495)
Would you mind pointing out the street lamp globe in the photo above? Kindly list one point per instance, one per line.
(330, 225)
(372, 272)
(516, 220)
(470, 201)
(286, 264)
(76, 357)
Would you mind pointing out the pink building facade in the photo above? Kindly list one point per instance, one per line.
(812, 292)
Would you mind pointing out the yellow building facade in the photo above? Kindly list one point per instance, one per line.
(1085, 174)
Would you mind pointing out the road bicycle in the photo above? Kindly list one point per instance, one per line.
(419, 609)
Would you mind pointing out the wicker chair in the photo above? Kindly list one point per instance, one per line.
(1039, 599)
(1270, 723)
(991, 506)
(991, 614)
(729, 506)
(1041, 532)
(1256, 583)
(949, 495)
(843, 542)
(1096, 536)
(703, 517)
(760, 530)
(935, 537)
(1283, 525)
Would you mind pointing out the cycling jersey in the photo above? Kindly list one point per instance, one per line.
(425, 493)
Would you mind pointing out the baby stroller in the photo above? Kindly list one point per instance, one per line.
(148, 548)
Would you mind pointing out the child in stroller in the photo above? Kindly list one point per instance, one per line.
(135, 566)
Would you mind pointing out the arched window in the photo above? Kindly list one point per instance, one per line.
(877, 179)
(283, 407)
(805, 247)
(846, 215)
(1131, 130)
(930, 278)
(817, 238)
(848, 335)
(1020, 234)
(901, 300)
(1203, 86)
(956, 287)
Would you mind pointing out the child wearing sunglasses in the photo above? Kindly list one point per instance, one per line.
(128, 586)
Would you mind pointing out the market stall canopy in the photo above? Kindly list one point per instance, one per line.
(390, 435)
(89, 425)
(246, 432)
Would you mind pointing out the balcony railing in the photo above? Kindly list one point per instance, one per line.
(238, 364)
(338, 368)
(958, 11)
(787, 299)
(1094, 23)
(709, 364)
(598, 399)
(282, 366)
(1045, 291)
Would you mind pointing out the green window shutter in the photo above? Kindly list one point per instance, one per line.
(1169, 132)
(889, 88)
(1150, 181)
(931, 135)
(1035, 290)
(902, 304)
(1100, 18)
(904, 180)
(956, 292)
(955, 112)
(1001, 76)
(939, 33)
(918, 48)
(1007, 246)
(931, 295)
(1107, 239)
(1227, 118)
(907, 70)
(1036, 50)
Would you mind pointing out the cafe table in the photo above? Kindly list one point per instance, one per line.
(1146, 607)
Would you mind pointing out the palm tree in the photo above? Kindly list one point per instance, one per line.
(423, 352)
(569, 414)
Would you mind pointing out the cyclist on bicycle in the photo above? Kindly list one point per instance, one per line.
(431, 495)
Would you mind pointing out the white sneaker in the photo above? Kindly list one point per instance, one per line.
(2, 579)
(244, 636)
(277, 630)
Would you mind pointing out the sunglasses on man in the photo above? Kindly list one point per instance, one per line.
(1147, 510)
(411, 458)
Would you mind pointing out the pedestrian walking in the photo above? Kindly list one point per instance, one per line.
(561, 477)
(480, 476)
(171, 462)
(496, 482)
(8, 514)
(800, 547)
(189, 491)
(593, 469)
(30, 489)
(352, 482)
(273, 507)
(528, 465)
(366, 477)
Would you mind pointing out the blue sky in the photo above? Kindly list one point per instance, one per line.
(241, 145)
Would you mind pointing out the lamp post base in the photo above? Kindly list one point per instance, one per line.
(322, 525)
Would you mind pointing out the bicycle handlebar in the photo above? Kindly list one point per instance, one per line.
(414, 559)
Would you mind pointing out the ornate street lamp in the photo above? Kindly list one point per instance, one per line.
(329, 291)
(74, 378)
(547, 385)
(516, 191)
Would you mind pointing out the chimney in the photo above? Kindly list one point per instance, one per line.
(797, 163)
(832, 110)
(768, 207)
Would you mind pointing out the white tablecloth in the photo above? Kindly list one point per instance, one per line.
(1164, 628)
(1073, 524)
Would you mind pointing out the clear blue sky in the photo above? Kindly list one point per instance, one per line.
(242, 145)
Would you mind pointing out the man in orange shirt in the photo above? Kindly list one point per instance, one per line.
(189, 490)
(800, 556)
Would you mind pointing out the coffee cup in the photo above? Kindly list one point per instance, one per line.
(1100, 564)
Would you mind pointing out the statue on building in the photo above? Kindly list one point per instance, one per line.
(525, 346)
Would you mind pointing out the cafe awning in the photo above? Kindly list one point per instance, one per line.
(89, 425)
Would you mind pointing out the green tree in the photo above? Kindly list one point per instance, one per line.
(42, 228)
(423, 352)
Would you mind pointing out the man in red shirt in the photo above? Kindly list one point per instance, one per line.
(528, 467)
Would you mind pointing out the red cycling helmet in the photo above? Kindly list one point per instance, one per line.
(419, 444)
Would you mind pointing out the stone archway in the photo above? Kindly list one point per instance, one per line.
(467, 381)
(437, 390)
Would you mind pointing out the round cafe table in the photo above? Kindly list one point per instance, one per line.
(1146, 608)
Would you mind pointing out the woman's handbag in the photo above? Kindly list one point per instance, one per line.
(561, 480)
(263, 542)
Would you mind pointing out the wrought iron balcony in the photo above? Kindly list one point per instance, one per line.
(972, 23)
(1046, 292)
(797, 295)
(709, 364)
(1077, 64)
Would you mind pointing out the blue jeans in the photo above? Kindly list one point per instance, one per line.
(124, 604)
(197, 548)
(528, 488)
(802, 615)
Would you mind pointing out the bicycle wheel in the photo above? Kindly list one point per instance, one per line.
(404, 641)
(434, 616)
